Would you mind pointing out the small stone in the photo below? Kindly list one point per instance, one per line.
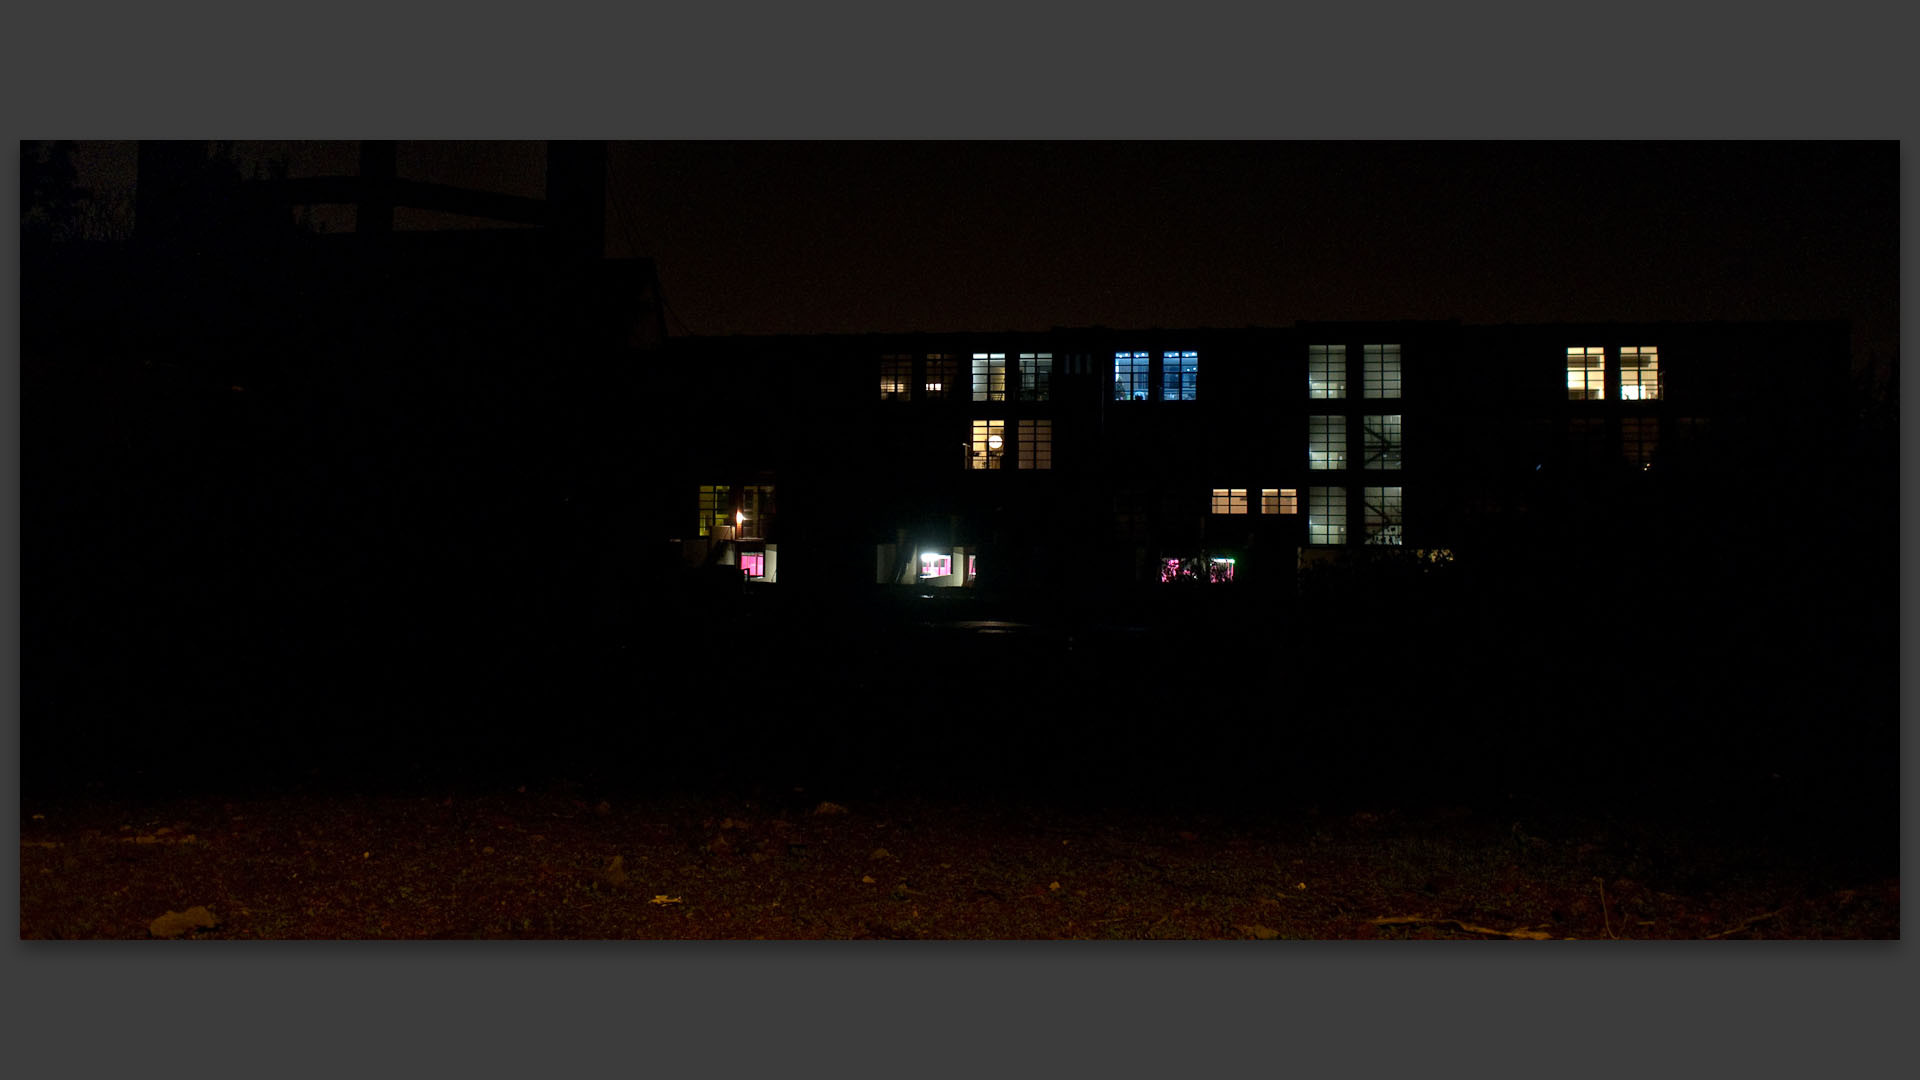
(176, 923)
(829, 808)
(881, 853)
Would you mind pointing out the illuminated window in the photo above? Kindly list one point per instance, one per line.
(1180, 376)
(1326, 371)
(1382, 371)
(1036, 376)
(989, 376)
(989, 444)
(1586, 374)
(936, 564)
(896, 378)
(1220, 570)
(1326, 515)
(716, 508)
(1326, 442)
(1639, 373)
(1279, 501)
(1229, 500)
(942, 370)
(1639, 438)
(1130, 376)
(1382, 442)
(1036, 444)
(753, 564)
(1216, 570)
(756, 511)
(1382, 505)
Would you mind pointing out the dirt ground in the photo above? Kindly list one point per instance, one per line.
(563, 862)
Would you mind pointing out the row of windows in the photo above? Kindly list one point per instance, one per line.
(1272, 501)
(719, 512)
(1327, 371)
(1032, 445)
(989, 376)
(1179, 376)
(1639, 373)
(1327, 442)
(1327, 515)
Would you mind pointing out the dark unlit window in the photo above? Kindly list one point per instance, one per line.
(1036, 444)
(896, 378)
(942, 371)
(1036, 376)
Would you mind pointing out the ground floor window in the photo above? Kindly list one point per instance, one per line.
(1326, 515)
(1279, 501)
(936, 564)
(1383, 514)
(753, 564)
(1207, 569)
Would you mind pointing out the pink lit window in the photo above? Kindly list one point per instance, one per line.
(753, 565)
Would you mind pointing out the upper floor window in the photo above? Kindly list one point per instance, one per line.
(1326, 442)
(942, 371)
(1586, 373)
(1326, 371)
(1639, 373)
(1036, 444)
(1279, 501)
(756, 511)
(989, 444)
(715, 508)
(1383, 514)
(1382, 371)
(1130, 371)
(1383, 442)
(1326, 515)
(989, 376)
(896, 378)
(1036, 376)
(1180, 376)
(1229, 500)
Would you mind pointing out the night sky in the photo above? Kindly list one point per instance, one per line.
(810, 237)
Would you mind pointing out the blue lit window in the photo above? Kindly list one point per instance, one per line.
(1179, 376)
(1130, 371)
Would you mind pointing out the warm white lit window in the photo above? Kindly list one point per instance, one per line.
(1326, 371)
(1382, 506)
(1586, 373)
(896, 378)
(716, 508)
(1279, 501)
(1382, 371)
(1382, 442)
(1180, 376)
(1036, 376)
(1326, 442)
(1639, 438)
(1639, 373)
(989, 444)
(1130, 372)
(989, 376)
(942, 370)
(1229, 500)
(1036, 444)
(1326, 515)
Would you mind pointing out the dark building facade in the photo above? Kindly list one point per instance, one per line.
(1093, 459)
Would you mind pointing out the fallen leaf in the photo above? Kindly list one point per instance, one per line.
(881, 853)
(664, 900)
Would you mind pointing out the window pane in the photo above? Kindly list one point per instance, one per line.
(989, 376)
(1326, 442)
(1229, 500)
(1586, 373)
(1036, 444)
(1036, 376)
(942, 370)
(1326, 371)
(1326, 515)
(1382, 371)
(988, 446)
(896, 377)
(1383, 514)
(1279, 501)
(1180, 376)
(1639, 373)
(1383, 442)
(1130, 371)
